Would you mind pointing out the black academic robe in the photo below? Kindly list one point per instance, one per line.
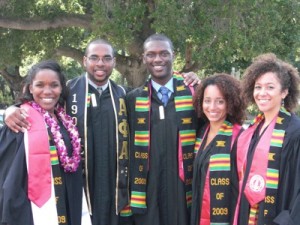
(288, 197)
(15, 208)
(99, 124)
(200, 168)
(166, 195)
(200, 173)
(102, 159)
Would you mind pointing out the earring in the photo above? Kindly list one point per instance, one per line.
(282, 102)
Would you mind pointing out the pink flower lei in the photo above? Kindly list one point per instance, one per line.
(70, 164)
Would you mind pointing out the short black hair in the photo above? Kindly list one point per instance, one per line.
(99, 41)
(158, 37)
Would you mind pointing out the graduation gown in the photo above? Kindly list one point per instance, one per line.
(211, 188)
(97, 127)
(166, 194)
(102, 160)
(287, 203)
(15, 207)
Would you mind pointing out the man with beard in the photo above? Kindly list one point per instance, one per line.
(98, 104)
(162, 128)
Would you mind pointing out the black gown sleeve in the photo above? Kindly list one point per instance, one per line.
(14, 204)
(234, 181)
(290, 177)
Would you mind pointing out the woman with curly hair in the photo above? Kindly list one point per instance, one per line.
(266, 160)
(217, 100)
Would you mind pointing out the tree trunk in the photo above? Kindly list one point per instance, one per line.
(133, 70)
(14, 81)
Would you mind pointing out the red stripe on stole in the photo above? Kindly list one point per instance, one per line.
(189, 198)
(272, 178)
(138, 199)
(184, 102)
(219, 162)
(183, 137)
(280, 138)
(142, 103)
(141, 138)
(205, 210)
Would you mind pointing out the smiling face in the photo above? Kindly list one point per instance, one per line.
(214, 105)
(99, 62)
(268, 94)
(158, 58)
(46, 89)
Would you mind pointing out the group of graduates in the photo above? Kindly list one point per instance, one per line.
(167, 153)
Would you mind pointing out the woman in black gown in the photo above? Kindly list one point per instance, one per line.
(266, 182)
(40, 170)
(218, 102)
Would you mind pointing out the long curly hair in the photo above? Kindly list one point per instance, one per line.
(230, 89)
(287, 75)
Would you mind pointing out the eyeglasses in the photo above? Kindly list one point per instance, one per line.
(162, 55)
(96, 59)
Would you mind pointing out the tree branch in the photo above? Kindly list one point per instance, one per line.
(192, 67)
(70, 52)
(37, 23)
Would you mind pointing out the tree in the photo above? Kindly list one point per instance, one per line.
(209, 35)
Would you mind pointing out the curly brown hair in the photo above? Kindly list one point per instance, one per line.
(287, 75)
(231, 90)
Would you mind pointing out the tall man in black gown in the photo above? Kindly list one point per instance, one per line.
(98, 104)
(162, 141)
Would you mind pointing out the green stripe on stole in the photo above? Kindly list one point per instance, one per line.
(184, 109)
(197, 144)
(217, 176)
(53, 155)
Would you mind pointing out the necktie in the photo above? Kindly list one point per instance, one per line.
(100, 90)
(164, 92)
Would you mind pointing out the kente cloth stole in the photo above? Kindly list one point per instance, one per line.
(186, 136)
(262, 181)
(59, 186)
(215, 201)
(78, 102)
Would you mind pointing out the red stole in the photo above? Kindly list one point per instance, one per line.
(39, 166)
(255, 189)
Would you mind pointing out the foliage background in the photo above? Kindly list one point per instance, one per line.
(209, 35)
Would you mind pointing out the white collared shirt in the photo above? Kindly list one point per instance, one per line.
(98, 87)
(168, 85)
